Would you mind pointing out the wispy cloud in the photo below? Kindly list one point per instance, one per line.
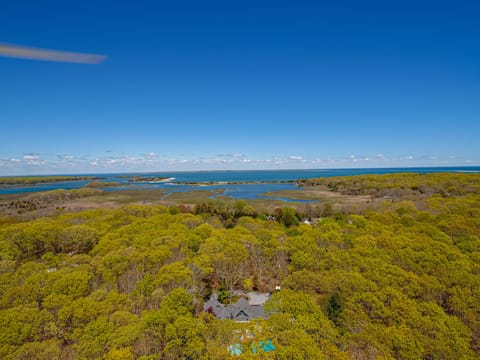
(34, 163)
(65, 157)
(235, 156)
(150, 155)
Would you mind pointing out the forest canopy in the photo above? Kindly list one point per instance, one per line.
(398, 281)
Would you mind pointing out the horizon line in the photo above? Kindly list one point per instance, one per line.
(247, 170)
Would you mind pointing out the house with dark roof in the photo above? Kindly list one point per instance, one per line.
(243, 310)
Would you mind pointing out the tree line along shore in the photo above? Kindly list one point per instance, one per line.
(32, 180)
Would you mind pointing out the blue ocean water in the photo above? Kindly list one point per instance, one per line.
(240, 191)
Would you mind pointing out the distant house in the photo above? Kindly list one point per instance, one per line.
(243, 310)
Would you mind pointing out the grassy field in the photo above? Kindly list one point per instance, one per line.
(317, 193)
(191, 197)
(31, 180)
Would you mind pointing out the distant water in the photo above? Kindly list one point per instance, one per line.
(240, 191)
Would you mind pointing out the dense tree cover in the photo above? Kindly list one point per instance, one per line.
(226, 213)
(129, 283)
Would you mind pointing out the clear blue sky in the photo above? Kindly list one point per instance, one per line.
(191, 85)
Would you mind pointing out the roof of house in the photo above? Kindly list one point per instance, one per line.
(242, 310)
(257, 298)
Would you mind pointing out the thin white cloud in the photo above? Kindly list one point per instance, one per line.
(31, 156)
(228, 155)
(150, 155)
(66, 157)
(34, 163)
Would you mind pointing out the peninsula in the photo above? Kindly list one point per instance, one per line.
(150, 179)
(32, 180)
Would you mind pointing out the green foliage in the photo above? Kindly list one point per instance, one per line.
(223, 295)
(396, 282)
(334, 308)
(287, 216)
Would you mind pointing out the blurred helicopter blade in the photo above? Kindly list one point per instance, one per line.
(24, 52)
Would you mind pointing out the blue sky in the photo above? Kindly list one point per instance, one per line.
(190, 85)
